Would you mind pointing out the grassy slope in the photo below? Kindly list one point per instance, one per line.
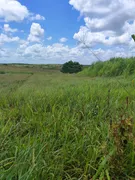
(113, 67)
(55, 126)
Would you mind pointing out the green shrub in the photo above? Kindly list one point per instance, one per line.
(71, 67)
(2, 72)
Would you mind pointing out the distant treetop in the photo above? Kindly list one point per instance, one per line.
(71, 67)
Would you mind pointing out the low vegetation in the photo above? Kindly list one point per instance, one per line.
(65, 126)
(113, 67)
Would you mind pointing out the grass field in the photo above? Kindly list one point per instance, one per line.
(55, 126)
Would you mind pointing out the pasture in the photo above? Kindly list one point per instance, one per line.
(61, 126)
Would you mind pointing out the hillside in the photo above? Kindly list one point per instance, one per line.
(111, 68)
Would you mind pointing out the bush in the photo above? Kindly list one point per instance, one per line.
(2, 72)
(71, 67)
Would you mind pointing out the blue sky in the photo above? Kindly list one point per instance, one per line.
(57, 31)
(61, 19)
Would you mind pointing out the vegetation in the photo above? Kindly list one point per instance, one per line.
(133, 37)
(113, 67)
(59, 126)
(71, 67)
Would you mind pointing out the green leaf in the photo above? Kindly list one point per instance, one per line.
(133, 37)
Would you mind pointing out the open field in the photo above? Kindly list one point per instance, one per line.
(56, 126)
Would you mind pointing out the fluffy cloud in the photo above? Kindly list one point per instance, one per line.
(6, 36)
(63, 39)
(23, 44)
(56, 53)
(37, 17)
(7, 39)
(36, 33)
(12, 10)
(110, 9)
(90, 6)
(106, 21)
(7, 28)
(59, 53)
(129, 27)
(85, 36)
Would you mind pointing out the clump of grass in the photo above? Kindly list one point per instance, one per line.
(2, 72)
(122, 162)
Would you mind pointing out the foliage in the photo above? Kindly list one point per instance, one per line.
(71, 67)
(123, 135)
(133, 37)
(58, 127)
(112, 68)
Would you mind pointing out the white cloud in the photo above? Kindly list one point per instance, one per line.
(56, 53)
(36, 33)
(37, 17)
(49, 38)
(7, 39)
(106, 21)
(63, 39)
(23, 44)
(12, 10)
(90, 6)
(117, 40)
(94, 23)
(59, 53)
(130, 28)
(88, 38)
(7, 28)
(104, 8)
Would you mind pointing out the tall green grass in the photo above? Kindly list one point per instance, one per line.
(56, 126)
(111, 68)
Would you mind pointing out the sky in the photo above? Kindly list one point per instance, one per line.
(56, 31)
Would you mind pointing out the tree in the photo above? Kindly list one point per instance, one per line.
(71, 67)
